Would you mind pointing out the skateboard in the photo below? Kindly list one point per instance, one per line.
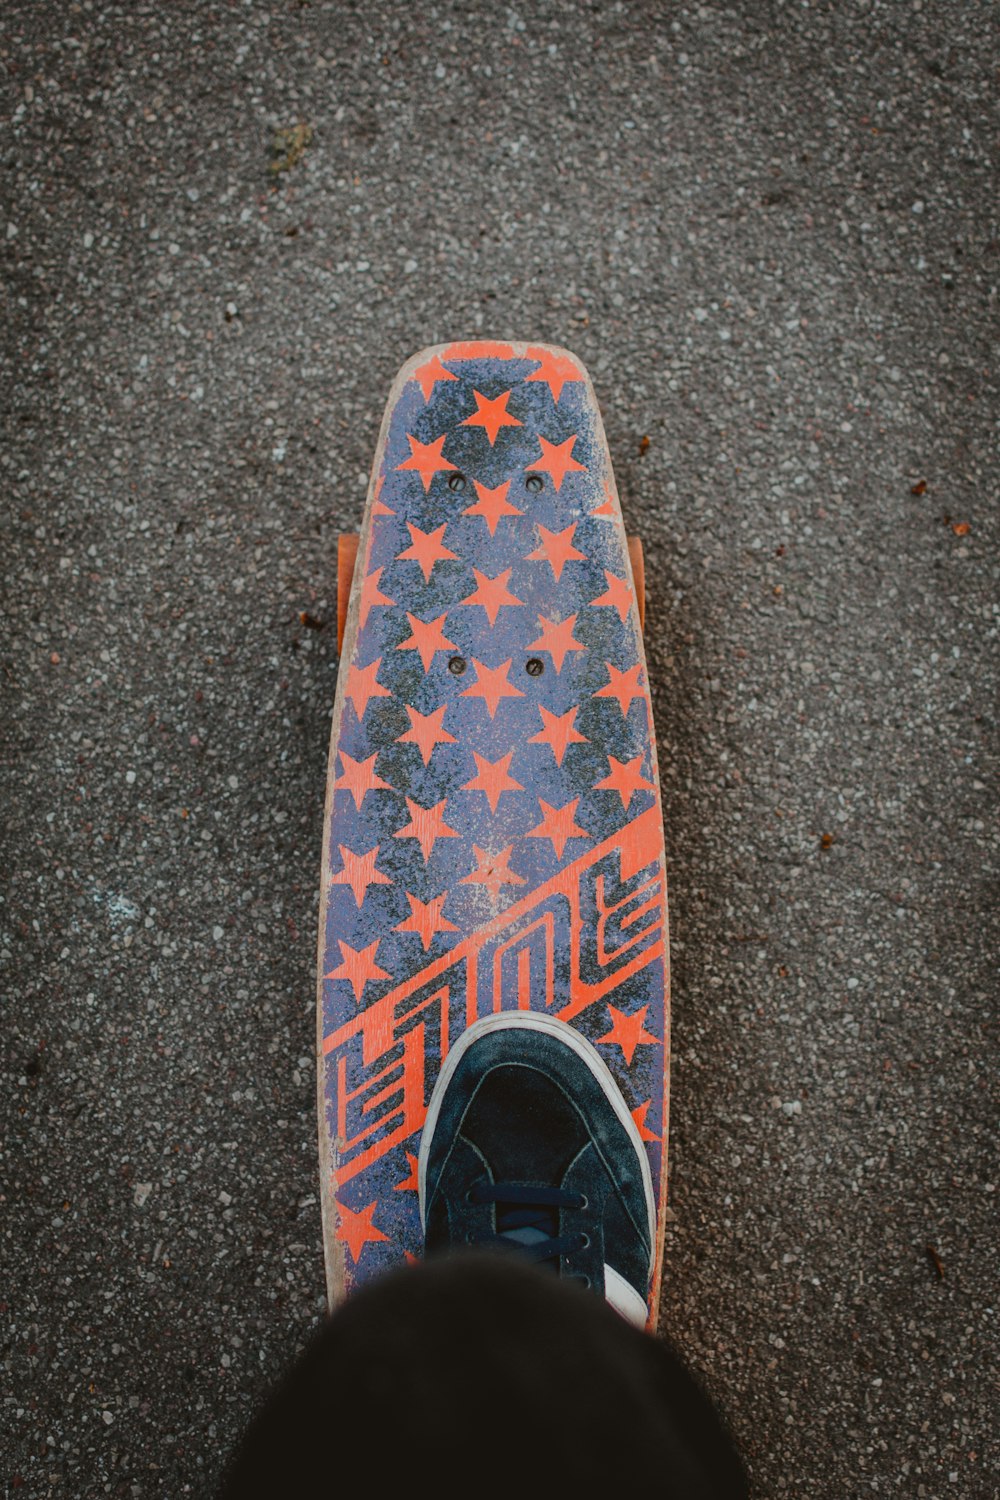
(493, 832)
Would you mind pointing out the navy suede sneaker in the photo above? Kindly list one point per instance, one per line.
(529, 1145)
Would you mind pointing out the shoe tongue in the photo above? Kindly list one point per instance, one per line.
(526, 1224)
(526, 1236)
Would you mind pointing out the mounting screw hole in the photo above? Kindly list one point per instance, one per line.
(534, 666)
(534, 483)
(456, 482)
(457, 665)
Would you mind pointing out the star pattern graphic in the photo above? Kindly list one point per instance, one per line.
(426, 459)
(493, 778)
(492, 505)
(624, 686)
(491, 415)
(426, 548)
(556, 548)
(362, 686)
(358, 777)
(426, 918)
(557, 639)
(429, 373)
(427, 730)
(379, 507)
(501, 584)
(639, 1116)
(493, 870)
(358, 966)
(558, 825)
(426, 636)
(557, 731)
(627, 1032)
(617, 595)
(556, 459)
(426, 825)
(555, 369)
(509, 584)
(491, 685)
(359, 872)
(371, 595)
(358, 1229)
(492, 594)
(607, 508)
(625, 778)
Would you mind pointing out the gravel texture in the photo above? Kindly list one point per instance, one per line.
(769, 229)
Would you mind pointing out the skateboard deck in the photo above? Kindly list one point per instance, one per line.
(493, 835)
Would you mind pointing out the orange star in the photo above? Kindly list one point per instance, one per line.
(426, 918)
(410, 1184)
(556, 460)
(491, 685)
(492, 504)
(639, 1116)
(426, 636)
(492, 594)
(556, 549)
(625, 778)
(371, 595)
(491, 415)
(557, 639)
(379, 507)
(427, 730)
(426, 824)
(358, 966)
(356, 1229)
(557, 824)
(425, 375)
(359, 872)
(555, 369)
(361, 686)
(558, 732)
(426, 548)
(358, 777)
(492, 778)
(493, 871)
(608, 508)
(627, 1032)
(426, 458)
(617, 595)
(622, 685)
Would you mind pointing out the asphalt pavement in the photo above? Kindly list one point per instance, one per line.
(770, 231)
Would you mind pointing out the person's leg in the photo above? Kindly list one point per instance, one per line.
(476, 1374)
(477, 1371)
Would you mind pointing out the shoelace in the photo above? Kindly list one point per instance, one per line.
(520, 1207)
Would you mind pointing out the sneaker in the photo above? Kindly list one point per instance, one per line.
(530, 1146)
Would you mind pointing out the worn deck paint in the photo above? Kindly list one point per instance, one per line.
(493, 834)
